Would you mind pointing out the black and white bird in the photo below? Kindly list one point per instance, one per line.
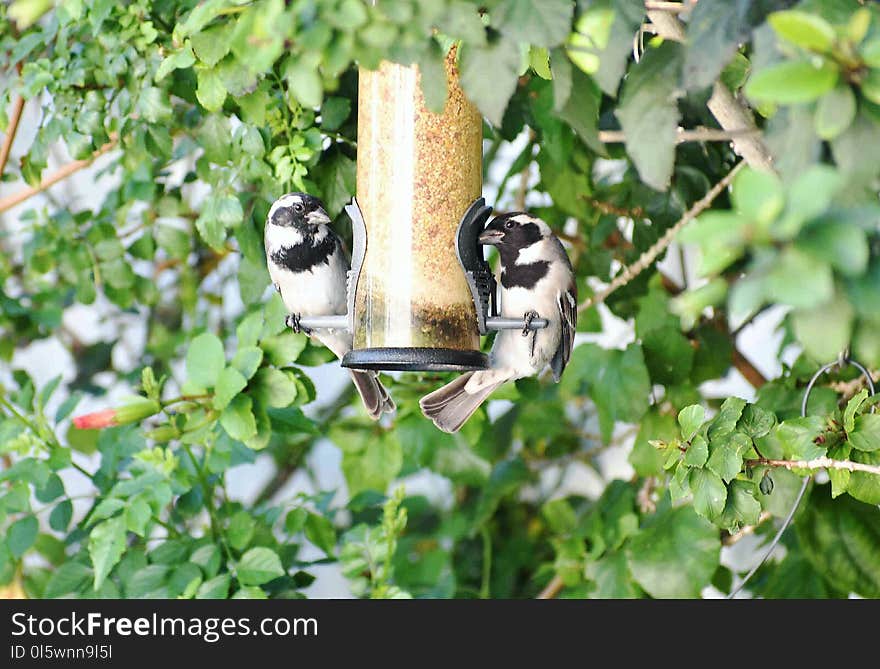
(536, 280)
(309, 267)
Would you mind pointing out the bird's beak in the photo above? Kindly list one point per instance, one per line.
(318, 217)
(490, 237)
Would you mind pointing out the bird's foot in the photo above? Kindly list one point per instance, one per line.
(528, 317)
(293, 322)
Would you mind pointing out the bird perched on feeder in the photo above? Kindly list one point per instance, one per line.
(309, 267)
(536, 280)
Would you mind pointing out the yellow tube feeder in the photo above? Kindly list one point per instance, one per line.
(418, 172)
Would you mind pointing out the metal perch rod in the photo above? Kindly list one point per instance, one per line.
(340, 322)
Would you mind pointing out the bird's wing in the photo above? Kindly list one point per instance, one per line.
(567, 304)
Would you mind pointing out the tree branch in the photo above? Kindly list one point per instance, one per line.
(730, 114)
(649, 256)
(816, 463)
(17, 108)
(747, 369)
(15, 199)
(552, 589)
(695, 135)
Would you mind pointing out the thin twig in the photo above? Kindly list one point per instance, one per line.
(816, 463)
(15, 199)
(552, 589)
(747, 369)
(731, 539)
(649, 256)
(695, 135)
(17, 108)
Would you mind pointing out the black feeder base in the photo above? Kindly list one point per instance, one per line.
(414, 359)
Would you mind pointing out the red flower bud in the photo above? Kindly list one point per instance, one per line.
(132, 411)
(96, 420)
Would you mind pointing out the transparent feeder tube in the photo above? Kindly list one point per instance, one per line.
(417, 173)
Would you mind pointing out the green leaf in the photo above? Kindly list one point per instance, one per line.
(581, 109)
(870, 52)
(852, 408)
(835, 112)
(804, 29)
(59, 518)
(758, 195)
(841, 539)
(648, 113)
(205, 359)
(153, 104)
(644, 457)
(21, 535)
(304, 83)
(755, 422)
(617, 381)
(669, 355)
(741, 507)
(799, 280)
(215, 588)
(247, 359)
(207, 557)
(546, 23)
(797, 438)
(862, 485)
(839, 477)
(137, 515)
(697, 453)
(710, 493)
(241, 530)
(372, 466)
(211, 45)
(69, 578)
(726, 454)
(106, 545)
(715, 31)
(489, 76)
(283, 349)
(792, 82)
(843, 246)
(676, 555)
(238, 418)
(825, 330)
(211, 92)
(274, 388)
(612, 578)
(334, 112)
(866, 433)
(690, 419)
(148, 583)
(320, 531)
(506, 478)
(258, 566)
(229, 384)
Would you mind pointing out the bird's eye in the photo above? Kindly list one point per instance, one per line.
(298, 208)
(509, 225)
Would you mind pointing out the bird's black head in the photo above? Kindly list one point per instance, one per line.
(513, 232)
(298, 210)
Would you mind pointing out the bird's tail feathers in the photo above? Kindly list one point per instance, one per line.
(450, 406)
(374, 395)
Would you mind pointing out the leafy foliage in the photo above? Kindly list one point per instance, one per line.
(204, 112)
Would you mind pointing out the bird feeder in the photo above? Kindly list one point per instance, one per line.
(420, 293)
(417, 173)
